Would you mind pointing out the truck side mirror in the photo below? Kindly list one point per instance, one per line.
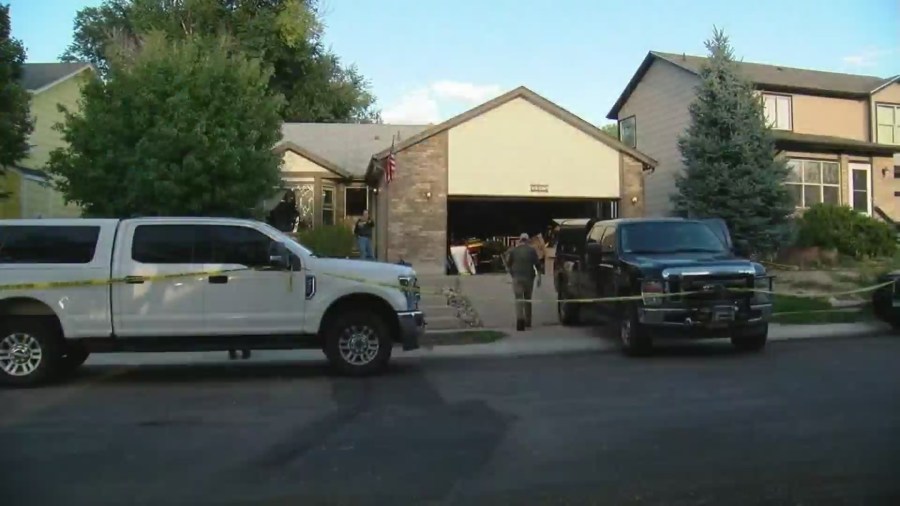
(594, 253)
(280, 256)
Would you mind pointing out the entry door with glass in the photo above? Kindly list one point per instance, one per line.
(861, 187)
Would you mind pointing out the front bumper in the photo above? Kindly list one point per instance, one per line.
(704, 321)
(412, 328)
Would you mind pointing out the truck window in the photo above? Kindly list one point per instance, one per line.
(670, 237)
(596, 233)
(171, 244)
(240, 245)
(608, 243)
(48, 244)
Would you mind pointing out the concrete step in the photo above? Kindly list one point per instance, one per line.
(435, 311)
(444, 322)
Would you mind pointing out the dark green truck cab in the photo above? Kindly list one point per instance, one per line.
(659, 278)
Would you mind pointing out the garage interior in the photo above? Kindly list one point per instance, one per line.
(490, 225)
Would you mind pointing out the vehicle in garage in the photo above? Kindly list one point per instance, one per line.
(660, 278)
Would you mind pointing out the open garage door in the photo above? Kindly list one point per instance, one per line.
(493, 224)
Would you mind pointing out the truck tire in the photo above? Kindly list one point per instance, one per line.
(357, 343)
(633, 337)
(753, 339)
(75, 356)
(569, 313)
(30, 351)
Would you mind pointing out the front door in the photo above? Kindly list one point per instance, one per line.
(861, 187)
(254, 298)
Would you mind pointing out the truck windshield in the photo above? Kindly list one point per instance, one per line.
(670, 237)
(289, 241)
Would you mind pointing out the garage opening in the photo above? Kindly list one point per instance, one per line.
(487, 227)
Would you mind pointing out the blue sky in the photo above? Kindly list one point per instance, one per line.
(428, 60)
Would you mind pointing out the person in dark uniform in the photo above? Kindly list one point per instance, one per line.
(363, 232)
(523, 264)
(284, 216)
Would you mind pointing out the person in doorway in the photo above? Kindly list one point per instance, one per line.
(522, 263)
(284, 216)
(363, 232)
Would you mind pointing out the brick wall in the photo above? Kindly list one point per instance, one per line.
(883, 187)
(632, 187)
(417, 225)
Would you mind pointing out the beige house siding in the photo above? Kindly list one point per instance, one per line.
(836, 117)
(293, 162)
(660, 104)
(507, 150)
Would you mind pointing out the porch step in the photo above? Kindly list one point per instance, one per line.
(444, 322)
(435, 311)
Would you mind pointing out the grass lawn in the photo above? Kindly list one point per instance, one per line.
(807, 310)
(462, 337)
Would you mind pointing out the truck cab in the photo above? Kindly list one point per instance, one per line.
(658, 278)
(73, 287)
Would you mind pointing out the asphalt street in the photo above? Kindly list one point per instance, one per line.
(812, 422)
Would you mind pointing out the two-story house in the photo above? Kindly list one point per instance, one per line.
(839, 132)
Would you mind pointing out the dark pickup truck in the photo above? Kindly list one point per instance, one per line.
(682, 276)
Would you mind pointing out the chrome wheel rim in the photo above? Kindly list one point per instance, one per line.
(359, 344)
(625, 331)
(20, 354)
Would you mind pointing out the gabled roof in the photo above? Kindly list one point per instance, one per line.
(772, 77)
(535, 99)
(348, 146)
(318, 160)
(37, 77)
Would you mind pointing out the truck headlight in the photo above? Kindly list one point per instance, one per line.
(652, 292)
(409, 285)
(764, 284)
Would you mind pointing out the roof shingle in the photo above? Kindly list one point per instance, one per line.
(37, 75)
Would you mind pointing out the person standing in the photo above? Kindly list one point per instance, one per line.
(523, 264)
(363, 232)
(284, 216)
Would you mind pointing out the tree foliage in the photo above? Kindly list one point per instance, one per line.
(611, 129)
(15, 123)
(729, 155)
(179, 128)
(285, 34)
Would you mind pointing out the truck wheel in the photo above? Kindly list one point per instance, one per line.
(75, 356)
(751, 339)
(569, 312)
(29, 351)
(632, 335)
(357, 343)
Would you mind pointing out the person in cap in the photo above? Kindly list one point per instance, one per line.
(523, 264)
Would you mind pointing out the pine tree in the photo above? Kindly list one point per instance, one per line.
(729, 156)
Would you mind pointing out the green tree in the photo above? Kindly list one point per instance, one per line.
(611, 129)
(15, 123)
(285, 34)
(729, 157)
(179, 128)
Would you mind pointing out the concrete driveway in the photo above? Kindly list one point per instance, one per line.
(492, 296)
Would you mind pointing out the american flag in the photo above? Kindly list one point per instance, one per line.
(390, 165)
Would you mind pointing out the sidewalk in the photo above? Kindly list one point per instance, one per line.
(539, 341)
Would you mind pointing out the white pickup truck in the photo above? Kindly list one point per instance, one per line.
(72, 287)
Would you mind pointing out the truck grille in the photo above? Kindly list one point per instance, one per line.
(712, 288)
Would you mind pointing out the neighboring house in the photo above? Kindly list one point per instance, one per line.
(839, 132)
(30, 192)
(508, 166)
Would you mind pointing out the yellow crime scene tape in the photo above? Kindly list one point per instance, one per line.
(166, 277)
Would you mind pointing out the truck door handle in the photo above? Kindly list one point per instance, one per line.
(134, 280)
(218, 280)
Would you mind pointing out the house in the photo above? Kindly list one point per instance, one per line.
(30, 192)
(508, 166)
(839, 132)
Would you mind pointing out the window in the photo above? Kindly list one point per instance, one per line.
(48, 244)
(887, 120)
(628, 132)
(327, 205)
(670, 237)
(356, 200)
(239, 245)
(608, 243)
(860, 188)
(596, 234)
(896, 171)
(171, 244)
(814, 182)
(778, 111)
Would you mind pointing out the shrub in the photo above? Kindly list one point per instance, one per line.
(847, 231)
(328, 241)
